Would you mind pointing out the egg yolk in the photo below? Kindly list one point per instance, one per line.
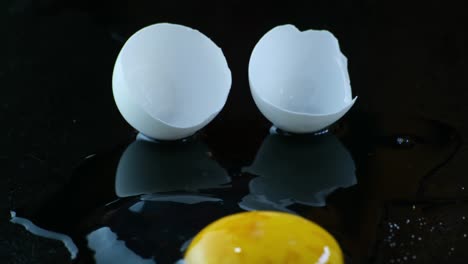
(263, 237)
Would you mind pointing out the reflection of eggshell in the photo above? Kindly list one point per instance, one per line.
(299, 170)
(254, 202)
(147, 167)
(179, 198)
(299, 80)
(170, 81)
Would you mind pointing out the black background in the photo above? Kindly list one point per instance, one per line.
(56, 105)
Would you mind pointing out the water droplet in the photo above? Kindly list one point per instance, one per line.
(404, 142)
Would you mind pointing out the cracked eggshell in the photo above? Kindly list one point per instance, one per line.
(299, 80)
(169, 81)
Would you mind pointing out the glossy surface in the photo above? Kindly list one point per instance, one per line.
(299, 79)
(170, 198)
(170, 81)
(263, 237)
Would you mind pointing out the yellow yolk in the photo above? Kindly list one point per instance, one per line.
(262, 237)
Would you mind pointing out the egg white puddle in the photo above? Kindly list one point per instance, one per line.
(108, 249)
(38, 231)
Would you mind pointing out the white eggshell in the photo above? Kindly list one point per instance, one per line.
(299, 80)
(170, 81)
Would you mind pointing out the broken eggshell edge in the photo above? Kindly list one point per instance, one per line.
(296, 121)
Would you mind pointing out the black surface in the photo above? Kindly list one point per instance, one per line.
(405, 59)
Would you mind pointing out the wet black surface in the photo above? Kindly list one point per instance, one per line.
(424, 232)
(156, 196)
(407, 64)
